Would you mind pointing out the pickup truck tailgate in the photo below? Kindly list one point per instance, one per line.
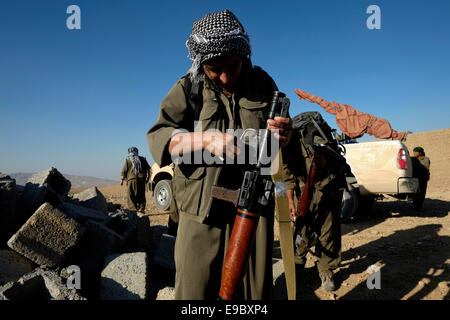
(376, 167)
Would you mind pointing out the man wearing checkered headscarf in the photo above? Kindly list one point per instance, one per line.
(136, 171)
(216, 35)
(234, 95)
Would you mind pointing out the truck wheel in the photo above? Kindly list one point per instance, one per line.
(350, 202)
(163, 194)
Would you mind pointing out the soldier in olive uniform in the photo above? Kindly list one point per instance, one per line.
(322, 221)
(235, 95)
(136, 172)
(421, 165)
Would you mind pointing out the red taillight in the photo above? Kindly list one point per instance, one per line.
(402, 159)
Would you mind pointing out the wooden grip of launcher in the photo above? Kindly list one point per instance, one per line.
(236, 259)
(305, 198)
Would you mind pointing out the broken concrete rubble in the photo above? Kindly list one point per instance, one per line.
(47, 237)
(121, 221)
(46, 186)
(125, 277)
(91, 198)
(97, 242)
(62, 231)
(39, 285)
(13, 266)
(82, 214)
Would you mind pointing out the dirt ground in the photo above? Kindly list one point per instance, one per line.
(412, 249)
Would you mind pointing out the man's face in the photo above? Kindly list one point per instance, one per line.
(224, 71)
(416, 154)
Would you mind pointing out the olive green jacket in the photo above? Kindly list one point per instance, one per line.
(128, 172)
(247, 108)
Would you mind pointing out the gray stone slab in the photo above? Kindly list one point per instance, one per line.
(47, 237)
(82, 214)
(39, 285)
(91, 198)
(13, 266)
(46, 186)
(125, 277)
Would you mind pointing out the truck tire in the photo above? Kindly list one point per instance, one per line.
(163, 194)
(350, 203)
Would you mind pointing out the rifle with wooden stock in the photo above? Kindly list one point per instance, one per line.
(254, 194)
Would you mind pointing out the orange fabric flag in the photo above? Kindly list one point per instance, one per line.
(352, 122)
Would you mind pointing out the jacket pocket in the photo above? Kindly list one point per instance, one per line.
(253, 113)
(189, 182)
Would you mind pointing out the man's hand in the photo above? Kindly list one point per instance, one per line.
(292, 211)
(222, 144)
(282, 128)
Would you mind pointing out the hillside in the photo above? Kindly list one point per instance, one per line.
(437, 147)
(76, 181)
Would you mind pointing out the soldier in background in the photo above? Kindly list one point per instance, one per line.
(421, 165)
(136, 171)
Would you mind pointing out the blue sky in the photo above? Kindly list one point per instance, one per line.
(77, 99)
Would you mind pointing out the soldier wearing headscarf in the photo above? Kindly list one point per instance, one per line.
(235, 95)
(136, 172)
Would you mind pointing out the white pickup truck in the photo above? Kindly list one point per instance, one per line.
(377, 168)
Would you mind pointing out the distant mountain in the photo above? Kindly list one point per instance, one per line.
(76, 181)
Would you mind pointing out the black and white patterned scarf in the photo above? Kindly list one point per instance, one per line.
(216, 34)
(133, 154)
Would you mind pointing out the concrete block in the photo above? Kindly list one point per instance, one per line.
(39, 285)
(46, 186)
(98, 242)
(91, 198)
(166, 293)
(47, 237)
(125, 277)
(13, 266)
(164, 253)
(82, 214)
(8, 199)
(122, 222)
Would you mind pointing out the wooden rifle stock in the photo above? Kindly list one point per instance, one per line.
(236, 259)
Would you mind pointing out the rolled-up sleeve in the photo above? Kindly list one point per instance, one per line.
(173, 114)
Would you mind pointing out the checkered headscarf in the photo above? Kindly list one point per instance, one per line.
(216, 34)
(133, 154)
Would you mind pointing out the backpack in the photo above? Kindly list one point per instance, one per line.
(193, 93)
(317, 136)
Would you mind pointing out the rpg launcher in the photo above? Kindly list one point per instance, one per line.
(254, 194)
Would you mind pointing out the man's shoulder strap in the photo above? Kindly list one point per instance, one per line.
(193, 93)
